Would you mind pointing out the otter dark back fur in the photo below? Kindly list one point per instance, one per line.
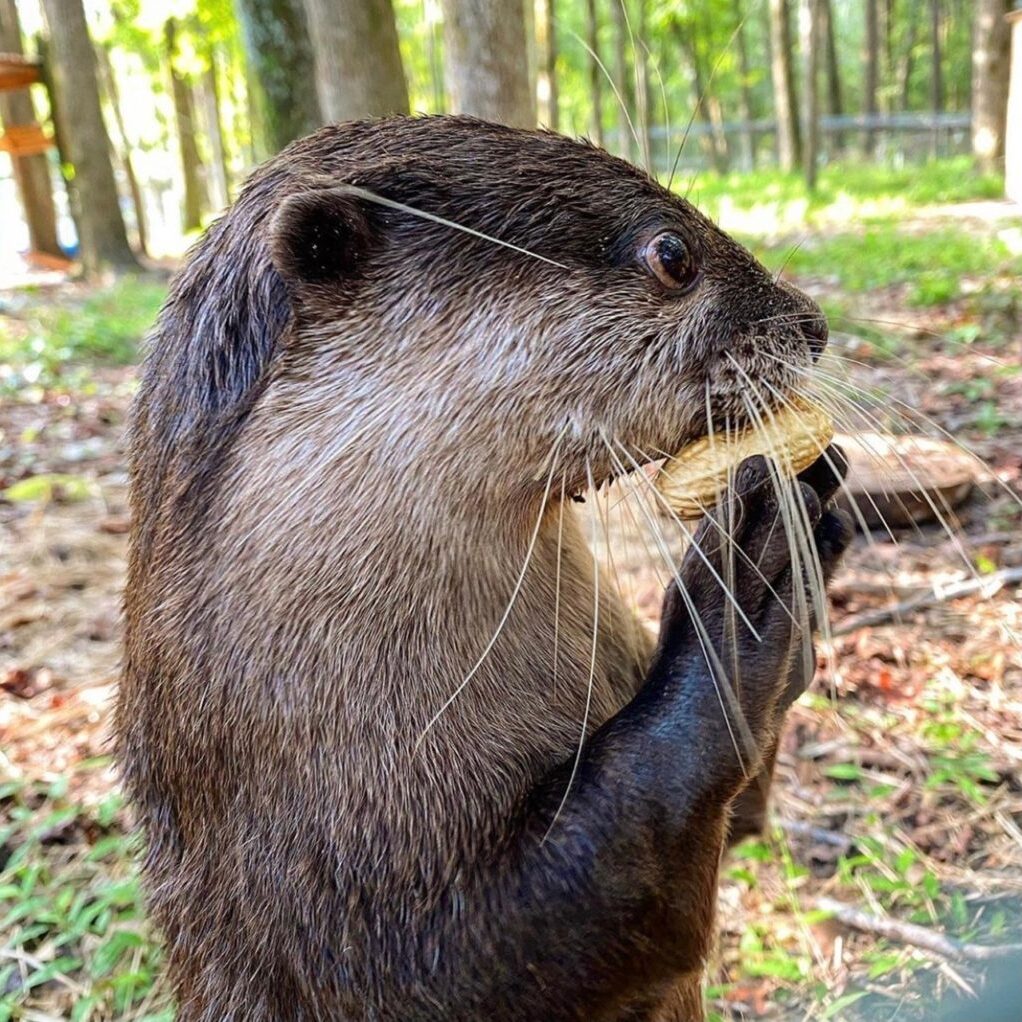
(352, 427)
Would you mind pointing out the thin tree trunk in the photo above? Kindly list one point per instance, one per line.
(809, 26)
(595, 75)
(905, 73)
(936, 73)
(357, 59)
(871, 61)
(936, 67)
(991, 52)
(789, 145)
(835, 101)
(108, 83)
(31, 173)
(103, 240)
(744, 92)
(195, 201)
(436, 71)
(701, 103)
(551, 117)
(487, 63)
(279, 53)
(215, 132)
(623, 80)
(643, 91)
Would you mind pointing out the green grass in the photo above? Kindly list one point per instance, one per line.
(72, 929)
(932, 265)
(938, 182)
(49, 339)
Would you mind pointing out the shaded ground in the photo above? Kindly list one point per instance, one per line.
(900, 782)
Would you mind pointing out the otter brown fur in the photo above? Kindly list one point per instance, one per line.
(344, 439)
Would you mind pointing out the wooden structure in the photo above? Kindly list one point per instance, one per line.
(1013, 136)
(26, 141)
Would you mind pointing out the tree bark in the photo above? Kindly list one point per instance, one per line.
(644, 91)
(991, 53)
(789, 143)
(627, 143)
(905, 73)
(215, 132)
(835, 99)
(280, 57)
(487, 67)
(31, 173)
(108, 84)
(744, 91)
(550, 64)
(357, 59)
(809, 26)
(936, 67)
(595, 75)
(103, 240)
(195, 201)
(871, 61)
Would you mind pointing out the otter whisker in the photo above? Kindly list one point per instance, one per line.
(640, 98)
(511, 602)
(686, 532)
(557, 580)
(402, 207)
(725, 693)
(699, 101)
(699, 552)
(613, 85)
(799, 553)
(592, 662)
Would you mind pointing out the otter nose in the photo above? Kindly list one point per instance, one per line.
(816, 333)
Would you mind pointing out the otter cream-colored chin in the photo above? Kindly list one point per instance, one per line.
(693, 479)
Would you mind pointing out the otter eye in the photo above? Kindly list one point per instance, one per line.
(672, 262)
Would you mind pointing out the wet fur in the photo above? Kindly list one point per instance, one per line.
(339, 450)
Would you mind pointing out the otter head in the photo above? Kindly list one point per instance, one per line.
(578, 310)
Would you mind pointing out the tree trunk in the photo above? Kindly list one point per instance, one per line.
(108, 83)
(991, 52)
(552, 112)
(595, 75)
(215, 133)
(31, 173)
(936, 73)
(701, 110)
(789, 144)
(487, 64)
(936, 68)
(643, 90)
(744, 91)
(357, 59)
(835, 100)
(809, 26)
(184, 115)
(280, 57)
(627, 143)
(905, 73)
(103, 240)
(871, 61)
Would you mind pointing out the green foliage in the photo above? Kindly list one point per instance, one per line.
(104, 327)
(936, 182)
(72, 924)
(931, 264)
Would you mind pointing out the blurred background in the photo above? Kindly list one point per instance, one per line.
(868, 150)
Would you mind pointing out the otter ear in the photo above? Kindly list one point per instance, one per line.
(319, 237)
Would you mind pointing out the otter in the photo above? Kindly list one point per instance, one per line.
(355, 434)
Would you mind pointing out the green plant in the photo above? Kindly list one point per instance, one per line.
(72, 922)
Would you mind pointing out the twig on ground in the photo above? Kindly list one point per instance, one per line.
(818, 834)
(917, 936)
(986, 586)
